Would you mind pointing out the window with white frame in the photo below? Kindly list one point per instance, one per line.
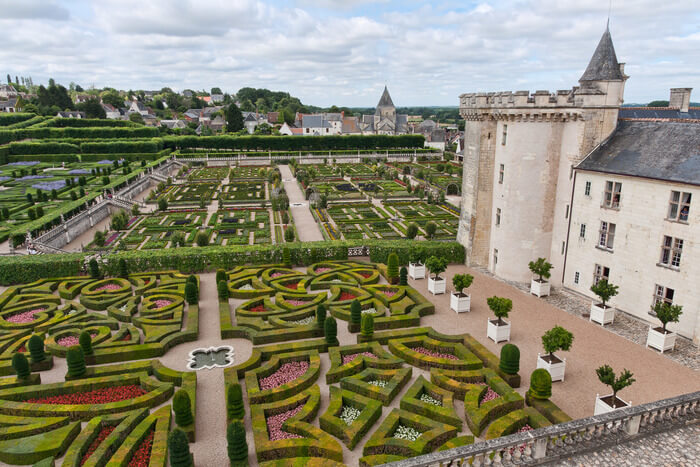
(576, 277)
(612, 195)
(587, 189)
(600, 273)
(505, 135)
(679, 206)
(498, 216)
(607, 235)
(582, 232)
(662, 294)
(671, 250)
(501, 172)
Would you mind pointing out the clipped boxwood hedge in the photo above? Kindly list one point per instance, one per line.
(330, 421)
(252, 378)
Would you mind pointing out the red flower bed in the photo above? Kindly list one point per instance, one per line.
(22, 349)
(430, 353)
(275, 422)
(293, 286)
(366, 275)
(142, 456)
(286, 373)
(126, 338)
(101, 436)
(97, 396)
(351, 357)
(347, 296)
(257, 308)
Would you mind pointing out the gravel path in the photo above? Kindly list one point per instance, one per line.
(306, 226)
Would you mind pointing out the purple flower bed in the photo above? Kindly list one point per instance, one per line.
(275, 422)
(430, 353)
(112, 238)
(48, 186)
(489, 396)
(3, 179)
(24, 317)
(79, 172)
(24, 163)
(105, 162)
(131, 222)
(351, 357)
(32, 177)
(286, 373)
(522, 446)
(69, 341)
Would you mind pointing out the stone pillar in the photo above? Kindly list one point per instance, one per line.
(632, 425)
(539, 448)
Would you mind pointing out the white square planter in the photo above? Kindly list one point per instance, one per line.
(556, 370)
(602, 315)
(498, 333)
(436, 286)
(603, 407)
(660, 341)
(416, 270)
(460, 304)
(541, 289)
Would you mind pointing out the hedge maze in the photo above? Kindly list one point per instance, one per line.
(392, 395)
(114, 403)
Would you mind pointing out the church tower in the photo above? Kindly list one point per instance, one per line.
(385, 107)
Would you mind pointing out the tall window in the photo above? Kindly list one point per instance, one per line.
(501, 172)
(498, 216)
(587, 190)
(671, 250)
(600, 273)
(576, 277)
(566, 214)
(495, 257)
(613, 193)
(679, 206)
(607, 235)
(582, 232)
(662, 294)
(505, 135)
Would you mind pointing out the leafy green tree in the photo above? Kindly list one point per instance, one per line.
(555, 339)
(177, 239)
(604, 290)
(136, 118)
(411, 231)
(21, 365)
(202, 239)
(500, 306)
(234, 118)
(179, 449)
(289, 234)
(541, 267)
(113, 98)
(162, 204)
(607, 376)
(99, 238)
(667, 313)
(123, 269)
(461, 282)
(436, 265)
(93, 109)
(430, 229)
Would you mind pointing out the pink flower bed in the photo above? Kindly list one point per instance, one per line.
(322, 270)
(275, 422)
(277, 274)
(430, 353)
(257, 308)
(297, 302)
(109, 287)
(389, 293)
(489, 396)
(286, 373)
(69, 341)
(522, 446)
(351, 357)
(24, 317)
(162, 303)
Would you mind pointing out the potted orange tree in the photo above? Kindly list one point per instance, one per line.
(555, 339)
(416, 267)
(459, 300)
(611, 402)
(499, 329)
(600, 312)
(436, 266)
(541, 268)
(659, 337)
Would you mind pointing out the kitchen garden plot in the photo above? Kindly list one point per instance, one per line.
(243, 192)
(241, 226)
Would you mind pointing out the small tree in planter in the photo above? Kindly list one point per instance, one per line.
(436, 265)
(600, 312)
(607, 376)
(540, 286)
(460, 300)
(498, 329)
(392, 268)
(555, 339)
(416, 268)
(661, 338)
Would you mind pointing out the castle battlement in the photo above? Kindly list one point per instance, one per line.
(517, 99)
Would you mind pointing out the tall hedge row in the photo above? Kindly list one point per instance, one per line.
(45, 147)
(59, 122)
(15, 270)
(112, 147)
(295, 143)
(4, 152)
(44, 158)
(7, 136)
(12, 118)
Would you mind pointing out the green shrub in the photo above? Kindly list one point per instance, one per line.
(320, 315)
(286, 257)
(202, 239)
(392, 268)
(430, 229)
(540, 384)
(36, 348)
(123, 269)
(367, 325)
(85, 341)
(403, 276)
(237, 444)
(331, 330)
(99, 238)
(162, 204)
(289, 234)
(191, 293)
(220, 275)
(76, 362)
(94, 269)
(234, 402)
(510, 359)
(555, 339)
(182, 408)
(411, 230)
(179, 449)
(355, 312)
(500, 306)
(21, 365)
(222, 289)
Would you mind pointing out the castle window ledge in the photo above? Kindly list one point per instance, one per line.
(610, 207)
(602, 248)
(677, 221)
(668, 266)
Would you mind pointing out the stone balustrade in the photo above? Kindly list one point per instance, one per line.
(567, 439)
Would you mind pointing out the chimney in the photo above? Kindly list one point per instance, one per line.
(622, 69)
(680, 98)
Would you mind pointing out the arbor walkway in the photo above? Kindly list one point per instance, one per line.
(307, 228)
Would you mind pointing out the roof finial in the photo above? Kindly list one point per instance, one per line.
(607, 26)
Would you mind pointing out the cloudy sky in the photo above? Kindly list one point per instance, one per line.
(344, 51)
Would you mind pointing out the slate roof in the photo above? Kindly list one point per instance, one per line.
(667, 151)
(314, 121)
(659, 113)
(603, 65)
(385, 100)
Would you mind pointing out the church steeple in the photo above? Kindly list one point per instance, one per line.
(603, 65)
(385, 100)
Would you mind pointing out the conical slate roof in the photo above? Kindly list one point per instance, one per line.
(603, 65)
(385, 100)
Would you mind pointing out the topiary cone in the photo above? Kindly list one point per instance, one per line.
(540, 384)
(286, 258)
(237, 444)
(331, 330)
(220, 275)
(191, 294)
(76, 362)
(123, 269)
(367, 325)
(320, 315)
(222, 290)
(179, 449)
(355, 312)
(234, 402)
(403, 276)
(510, 359)
(21, 365)
(85, 341)
(182, 408)
(36, 349)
